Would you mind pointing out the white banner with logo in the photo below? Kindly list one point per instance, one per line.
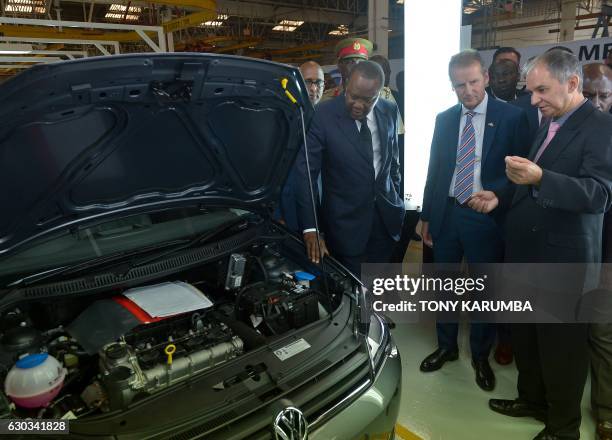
(587, 51)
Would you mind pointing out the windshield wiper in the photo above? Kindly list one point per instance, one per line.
(95, 262)
(119, 258)
(239, 224)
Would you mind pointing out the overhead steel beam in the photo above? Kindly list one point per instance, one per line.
(190, 20)
(68, 53)
(262, 9)
(114, 44)
(18, 59)
(237, 46)
(102, 49)
(197, 4)
(49, 32)
(77, 24)
(139, 29)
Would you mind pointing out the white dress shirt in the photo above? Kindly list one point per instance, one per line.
(478, 121)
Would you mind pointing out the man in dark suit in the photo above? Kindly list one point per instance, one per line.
(555, 216)
(287, 210)
(352, 144)
(467, 154)
(598, 89)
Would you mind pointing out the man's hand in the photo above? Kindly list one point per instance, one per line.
(483, 201)
(312, 250)
(523, 171)
(425, 235)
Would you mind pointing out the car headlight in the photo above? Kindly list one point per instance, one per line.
(378, 339)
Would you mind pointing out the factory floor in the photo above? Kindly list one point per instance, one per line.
(447, 404)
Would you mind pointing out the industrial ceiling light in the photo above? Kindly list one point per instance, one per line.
(25, 6)
(287, 26)
(216, 23)
(122, 12)
(342, 30)
(472, 6)
(15, 49)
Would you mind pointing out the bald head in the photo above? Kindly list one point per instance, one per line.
(315, 81)
(598, 85)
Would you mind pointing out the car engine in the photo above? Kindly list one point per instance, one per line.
(160, 355)
(76, 358)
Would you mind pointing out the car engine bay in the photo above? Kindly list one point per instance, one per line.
(75, 357)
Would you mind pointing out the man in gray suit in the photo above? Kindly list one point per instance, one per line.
(555, 215)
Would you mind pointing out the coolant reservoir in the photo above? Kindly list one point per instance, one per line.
(34, 380)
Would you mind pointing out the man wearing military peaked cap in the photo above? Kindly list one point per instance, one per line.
(349, 52)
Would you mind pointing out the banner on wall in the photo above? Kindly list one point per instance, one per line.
(588, 51)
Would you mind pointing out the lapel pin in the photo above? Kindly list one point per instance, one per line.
(491, 124)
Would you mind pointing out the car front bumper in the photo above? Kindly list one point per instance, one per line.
(370, 410)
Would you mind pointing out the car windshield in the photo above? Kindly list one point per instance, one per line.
(127, 234)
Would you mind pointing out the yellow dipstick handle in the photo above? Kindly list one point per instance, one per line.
(284, 82)
(170, 349)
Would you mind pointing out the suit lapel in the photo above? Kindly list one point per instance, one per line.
(559, 143)
(539, 138)
(563, 138)
(491, 122)
(452, 134)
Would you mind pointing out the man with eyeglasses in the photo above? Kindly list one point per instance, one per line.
(287, 210)
(349, 51)
(315, 81)
(352, 144)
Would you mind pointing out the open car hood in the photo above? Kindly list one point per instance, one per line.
(91, 138)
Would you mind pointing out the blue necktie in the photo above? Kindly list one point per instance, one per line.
(466, 156)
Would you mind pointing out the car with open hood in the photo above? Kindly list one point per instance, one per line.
(145, 290)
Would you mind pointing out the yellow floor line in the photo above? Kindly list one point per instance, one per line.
(404, 434)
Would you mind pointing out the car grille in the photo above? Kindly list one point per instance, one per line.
(314, 391)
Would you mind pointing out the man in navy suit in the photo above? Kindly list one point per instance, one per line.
(287, 210)
(352, 145)
(469, 144)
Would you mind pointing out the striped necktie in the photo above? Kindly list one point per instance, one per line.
(466, 156)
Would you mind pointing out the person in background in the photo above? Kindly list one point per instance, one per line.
(554, 214)
(412, 217)
(598, 85)
(469, 144)
(503, 79)
(352, 145)
(598, 89)
(507, 53)
(287, 210)
(504, 76)
(349, 52)
(315, 80)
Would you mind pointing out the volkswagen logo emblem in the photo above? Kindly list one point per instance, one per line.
(290, 424)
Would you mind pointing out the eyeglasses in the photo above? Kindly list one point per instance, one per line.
(310, 82)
